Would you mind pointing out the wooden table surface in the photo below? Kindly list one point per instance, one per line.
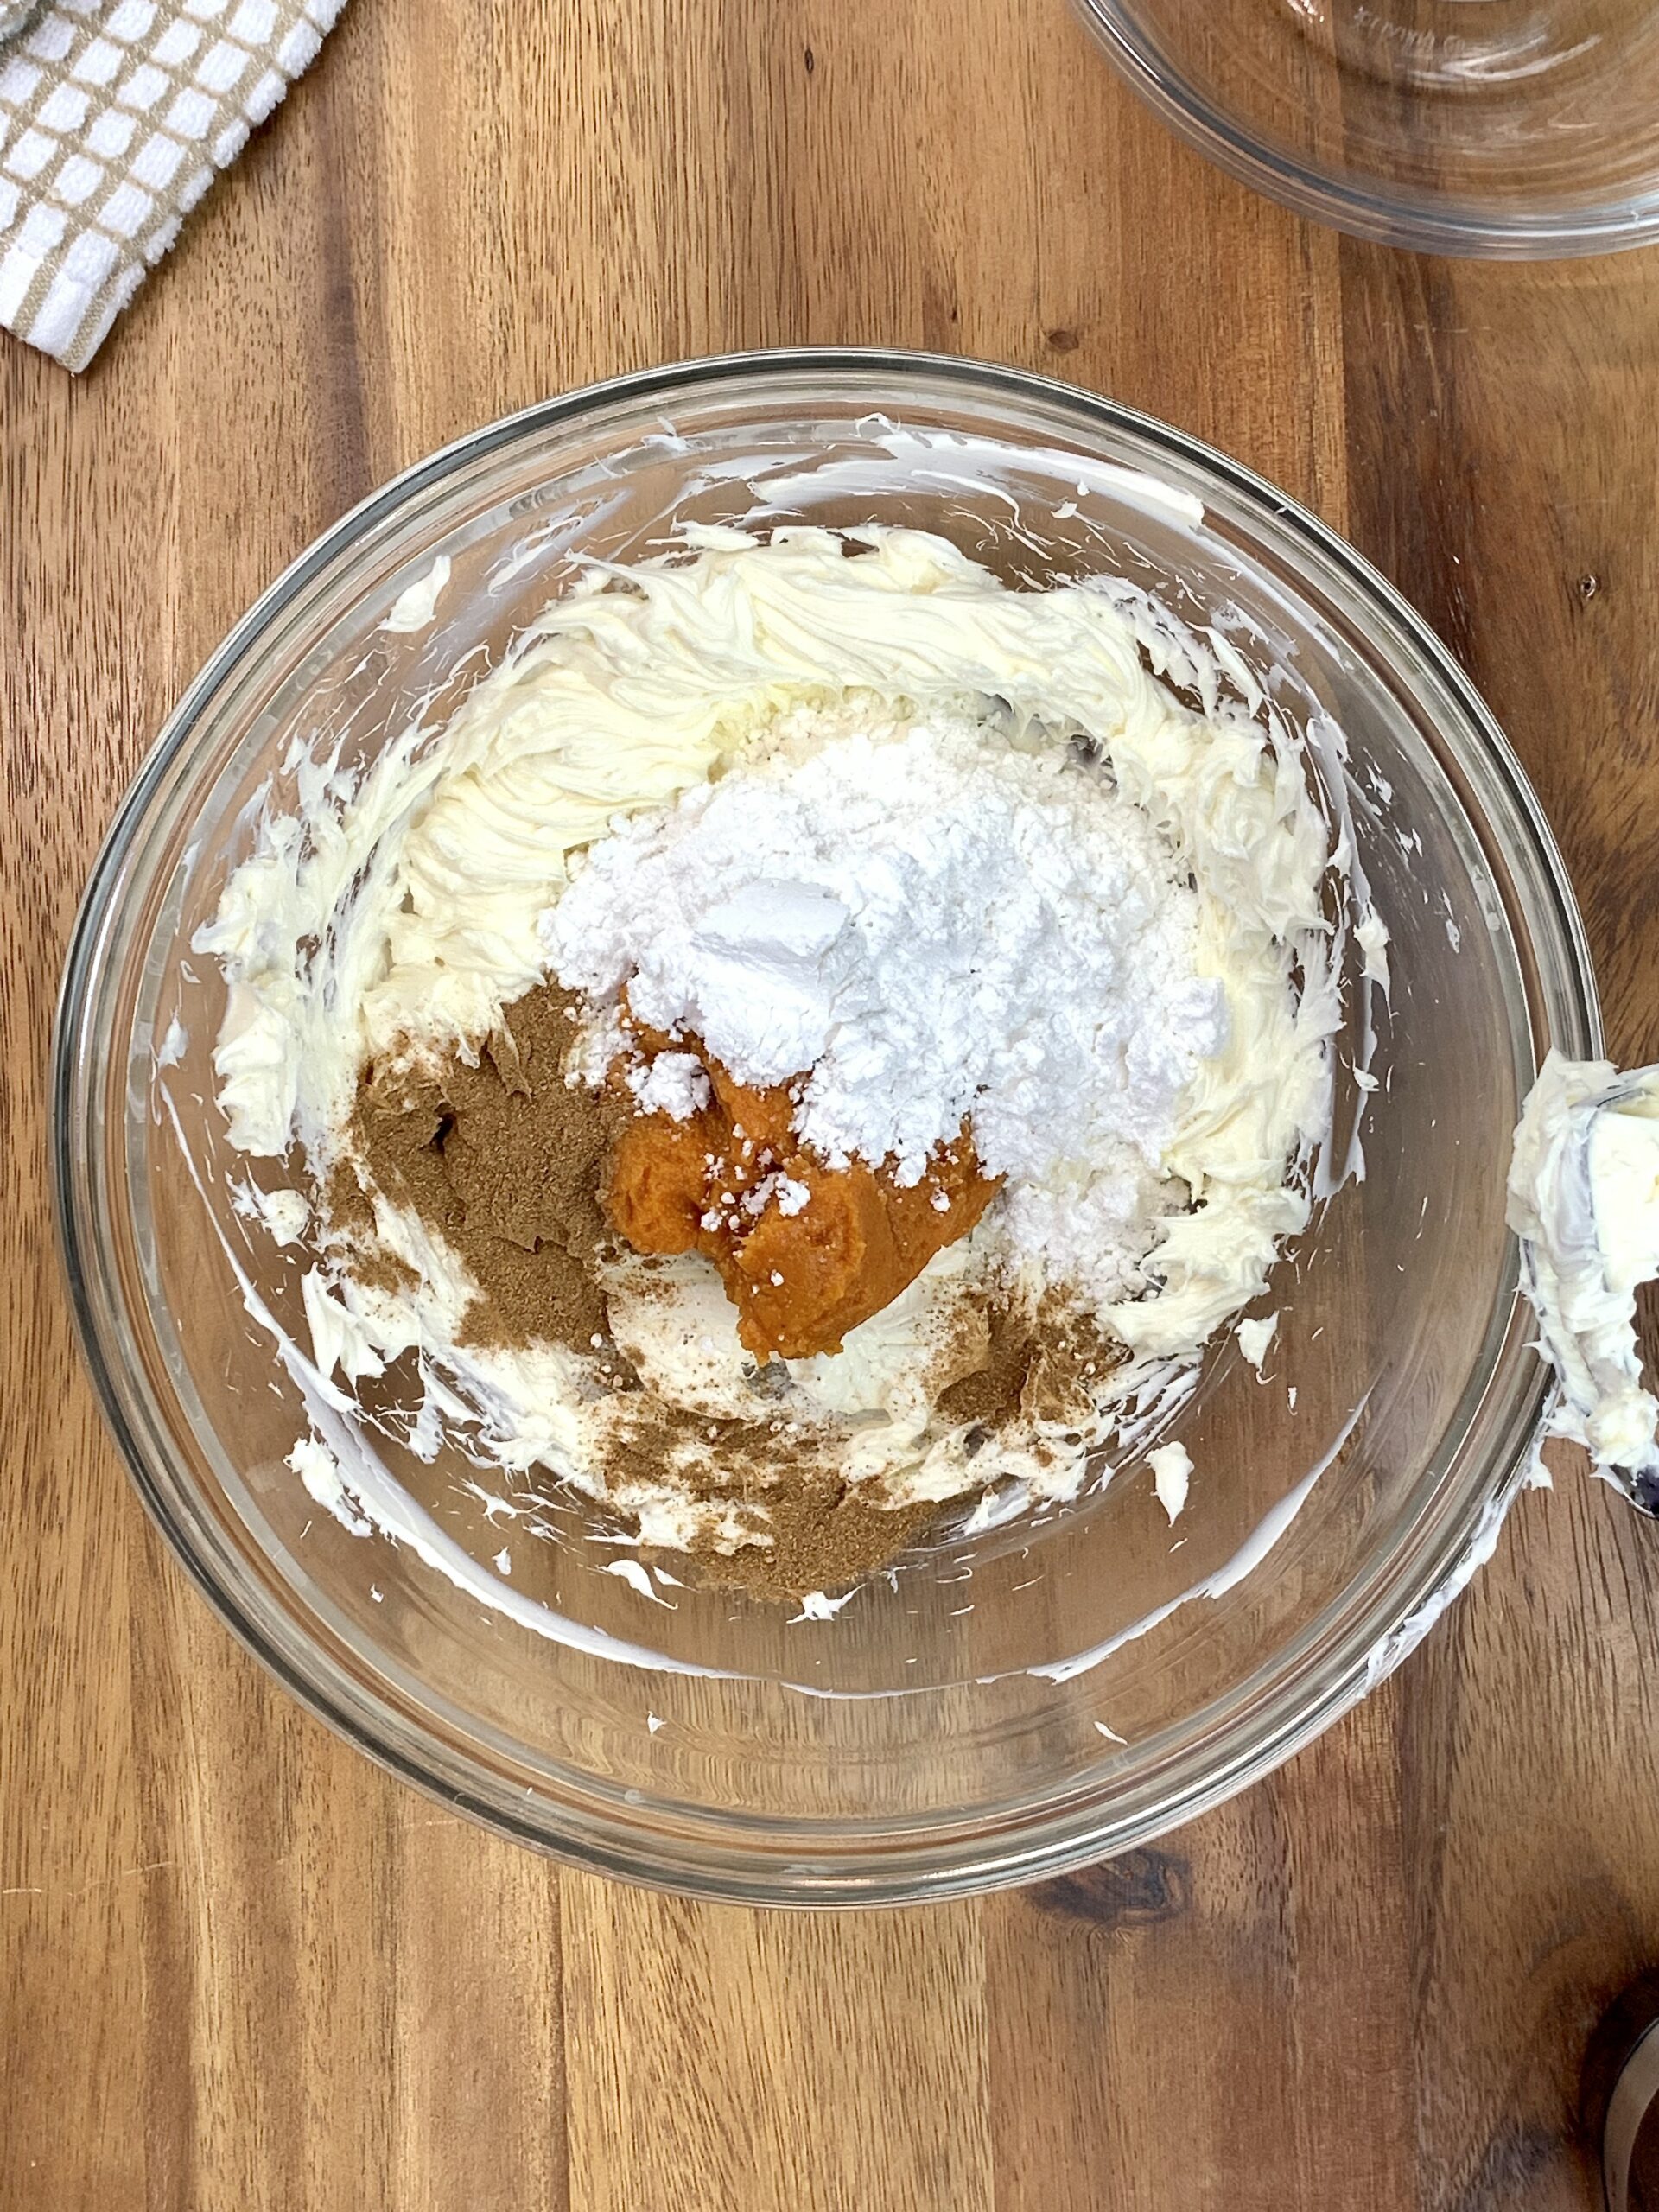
(239, 1969)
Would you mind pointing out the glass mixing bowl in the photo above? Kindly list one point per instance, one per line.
(1514, 128)
(1006, 1703)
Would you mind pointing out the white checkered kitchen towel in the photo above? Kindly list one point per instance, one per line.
(114, 116)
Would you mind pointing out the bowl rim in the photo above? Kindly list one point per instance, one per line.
(1039, 1843)
(1416, 222)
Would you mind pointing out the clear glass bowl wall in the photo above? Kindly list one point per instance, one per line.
(949, 1728)
(1514, 129)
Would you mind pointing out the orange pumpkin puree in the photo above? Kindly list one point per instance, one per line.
(799, 1278)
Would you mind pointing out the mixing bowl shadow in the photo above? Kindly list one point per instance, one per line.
(1012, 1699)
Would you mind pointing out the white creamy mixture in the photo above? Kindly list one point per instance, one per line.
(1583, 1199)
(937, 848)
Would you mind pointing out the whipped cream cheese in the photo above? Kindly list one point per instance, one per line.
(1583, 1199)
(397, 913)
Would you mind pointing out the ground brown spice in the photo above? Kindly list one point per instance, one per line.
(1071, 1359)
(821, 1539)
(990, 1394)
(346, 1209)
(504, 1160)
(824, 1534)
(1048, 1364)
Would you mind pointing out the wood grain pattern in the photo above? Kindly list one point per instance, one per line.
(242, 1972)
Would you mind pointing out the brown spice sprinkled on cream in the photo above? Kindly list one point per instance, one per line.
(503, 1158)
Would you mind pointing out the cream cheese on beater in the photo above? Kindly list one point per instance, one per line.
(397, 914)
(1583, 1199)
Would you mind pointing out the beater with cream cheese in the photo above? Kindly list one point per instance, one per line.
(1583, 1199)
(995, 872)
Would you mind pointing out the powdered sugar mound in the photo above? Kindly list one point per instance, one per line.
(675, 1084)
(935, 923)
(1091, 1228)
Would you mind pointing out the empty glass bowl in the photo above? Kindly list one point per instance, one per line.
(1513, 128)
(1006, 1703)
